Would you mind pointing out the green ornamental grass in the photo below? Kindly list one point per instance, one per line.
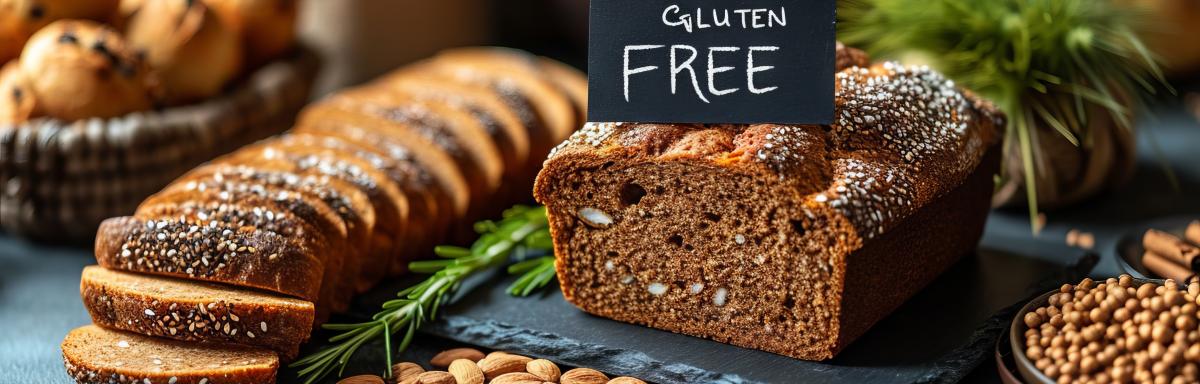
(1043, 62)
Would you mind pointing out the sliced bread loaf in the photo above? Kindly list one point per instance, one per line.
(98, 355)
(195, 311)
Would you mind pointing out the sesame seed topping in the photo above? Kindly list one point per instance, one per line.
(263, 326)
(149, 312)
(122, 344)
(720, 296)
(657, 289)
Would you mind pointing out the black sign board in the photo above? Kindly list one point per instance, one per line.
(711, 61)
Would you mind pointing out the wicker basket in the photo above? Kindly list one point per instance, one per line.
(59, 179)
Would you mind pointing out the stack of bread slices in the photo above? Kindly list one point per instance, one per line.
(226, 271)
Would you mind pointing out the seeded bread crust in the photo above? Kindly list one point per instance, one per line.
(450, 129)
(518, 79)
(170, 308)
(775, 237)
(308, 224)
(356, 217)
(411, 179)
(390, 204)
(213, 251)
(94, 355)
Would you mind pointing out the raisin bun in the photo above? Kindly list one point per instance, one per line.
(16, 102)
(79, 69)
(192, 51)
(19, 19)
(268, 27)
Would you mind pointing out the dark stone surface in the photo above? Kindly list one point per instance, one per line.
(39, 300)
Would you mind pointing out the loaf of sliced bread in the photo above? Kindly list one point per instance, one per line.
(98, 355)
(195, 311)
(788, 239)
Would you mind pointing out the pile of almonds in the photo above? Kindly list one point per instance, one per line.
(470, 366)
(1117, 331)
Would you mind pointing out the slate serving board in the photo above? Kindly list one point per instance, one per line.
(973, 303)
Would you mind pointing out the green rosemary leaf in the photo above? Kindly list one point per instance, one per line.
(535, 274)
(450, 251)
(420, 303)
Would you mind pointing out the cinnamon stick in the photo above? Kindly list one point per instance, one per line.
(1165, 268)
(1173, 248)
(1192, 233)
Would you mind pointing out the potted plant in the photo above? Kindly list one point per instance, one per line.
(1069, 73)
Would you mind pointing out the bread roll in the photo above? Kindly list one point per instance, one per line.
(80, 69)
(19, 19)
(193, 52)
(268, 27)
(16, 102)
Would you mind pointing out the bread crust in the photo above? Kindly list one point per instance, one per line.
(152, 306)
(213, 252)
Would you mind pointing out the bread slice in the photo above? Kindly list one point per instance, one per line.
(516, 76)
(195, 311)
(413, 180)
(788, 239)
(352, 207)
(97, 355)
(308, 224)
(452, 129)
(389, 203)
(571, 82)
(209, 250)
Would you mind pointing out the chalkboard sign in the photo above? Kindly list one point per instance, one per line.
(711, 61)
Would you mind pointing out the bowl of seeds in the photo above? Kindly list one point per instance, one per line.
(1119, 330)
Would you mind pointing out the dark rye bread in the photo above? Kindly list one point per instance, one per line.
(451, 129)
(309, 224)
(520, 81)
(195, 311)
(355, 215)
(389, 203)
(366, 130)
(209, 250)
(97, 355)
(788, 239)
(412, 180)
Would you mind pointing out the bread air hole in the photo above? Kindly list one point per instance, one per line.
(798, 226)
(632, 193)
(676, 239)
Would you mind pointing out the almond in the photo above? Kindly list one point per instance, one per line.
(499, 364)
(443, 359)
(435, 377)
(466, 372)
(625, 380)
(406, 372)
(544, 369)
(361, 379)
(583, 376)
(517, 378)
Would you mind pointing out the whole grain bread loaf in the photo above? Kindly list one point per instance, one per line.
(98, 355)
(184, 310)
(788, 239)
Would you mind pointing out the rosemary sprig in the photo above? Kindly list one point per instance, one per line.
(536, 273)
(521, 228)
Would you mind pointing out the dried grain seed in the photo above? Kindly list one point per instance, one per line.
(583, 376)
(435, 377)
(406, 372)
(498, 364)
(444, 358)
(543, 369)
(362, 379)
(465, 371)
